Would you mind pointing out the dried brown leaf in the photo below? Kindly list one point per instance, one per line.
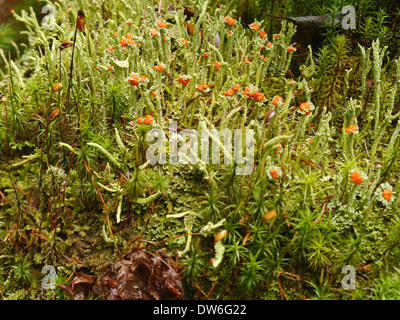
(144, 275)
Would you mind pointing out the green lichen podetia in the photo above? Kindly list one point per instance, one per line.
(78, 192)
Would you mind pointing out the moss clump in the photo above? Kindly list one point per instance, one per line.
(82, 184)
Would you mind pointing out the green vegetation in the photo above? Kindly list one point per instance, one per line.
(77, 191)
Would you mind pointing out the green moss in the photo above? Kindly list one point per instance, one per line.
(77, 190)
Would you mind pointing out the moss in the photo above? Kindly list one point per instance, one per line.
(77, 191)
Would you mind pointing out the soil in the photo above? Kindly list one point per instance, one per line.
(5, 7)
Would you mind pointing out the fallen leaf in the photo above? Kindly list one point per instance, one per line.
(146, 275)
